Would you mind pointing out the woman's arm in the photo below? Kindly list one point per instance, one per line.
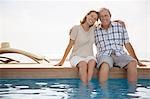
(71, 43)
(121, 22)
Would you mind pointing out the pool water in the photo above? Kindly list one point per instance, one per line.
(73, 89)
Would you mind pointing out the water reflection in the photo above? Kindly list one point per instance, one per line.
(132, 87)
(141, 91)
(93, 90)
(73, 89)
(104, 90)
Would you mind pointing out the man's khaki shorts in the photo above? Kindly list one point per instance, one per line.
(113, 60)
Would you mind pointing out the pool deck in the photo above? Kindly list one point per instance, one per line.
(13, 71)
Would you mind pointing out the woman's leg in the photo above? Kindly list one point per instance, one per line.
(83, 71)
(91, 67)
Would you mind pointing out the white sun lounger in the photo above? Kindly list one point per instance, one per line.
(36, 58)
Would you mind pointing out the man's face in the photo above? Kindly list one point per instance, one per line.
(105, 17)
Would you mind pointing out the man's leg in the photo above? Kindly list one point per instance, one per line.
(103, 72)
(132, 71)
(104, 64)
(130, 64)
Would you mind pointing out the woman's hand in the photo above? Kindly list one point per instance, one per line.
(121, 22)
(59, 64)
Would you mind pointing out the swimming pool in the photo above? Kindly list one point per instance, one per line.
(72, 89)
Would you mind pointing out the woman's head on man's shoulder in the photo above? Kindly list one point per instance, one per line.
(90, 18)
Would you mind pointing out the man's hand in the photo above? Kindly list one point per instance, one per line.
(141, 64)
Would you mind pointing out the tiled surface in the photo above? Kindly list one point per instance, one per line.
(65, 71)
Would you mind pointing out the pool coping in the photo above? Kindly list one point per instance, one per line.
(15, 71)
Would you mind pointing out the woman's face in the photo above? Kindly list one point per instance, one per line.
(91, 18)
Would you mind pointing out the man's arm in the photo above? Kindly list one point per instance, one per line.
(131, 51)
